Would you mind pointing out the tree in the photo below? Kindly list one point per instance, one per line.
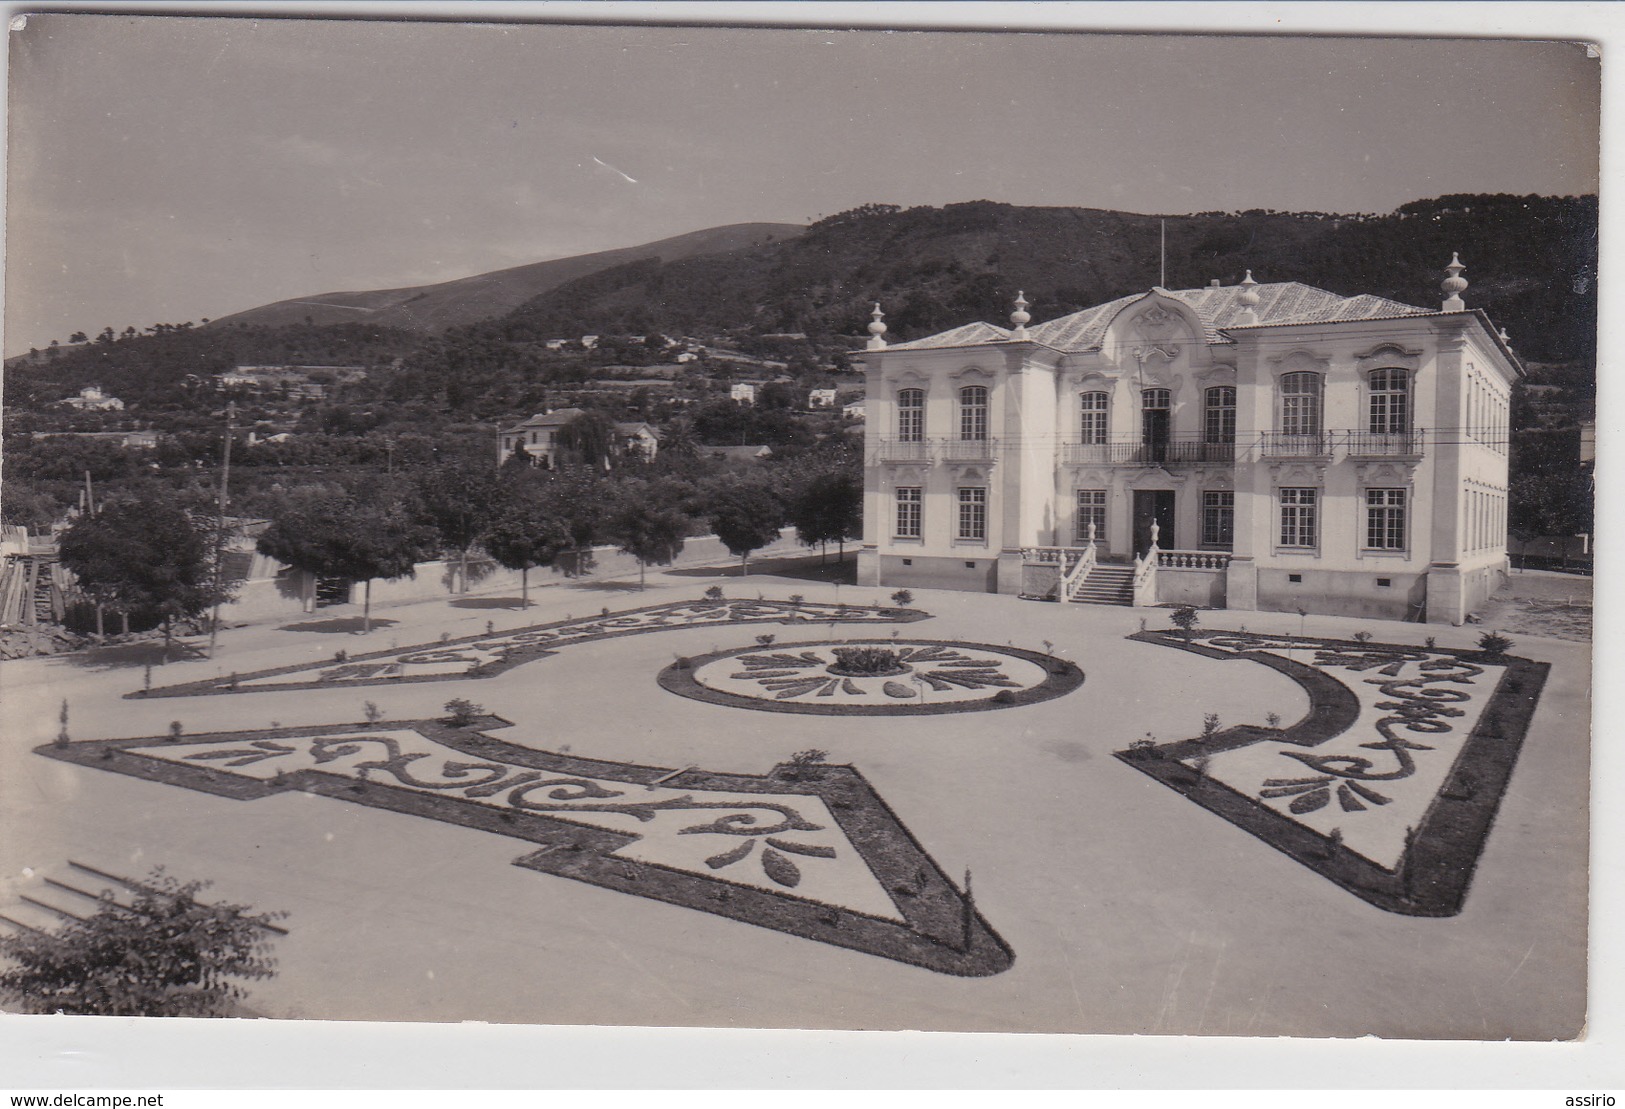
(647, 527)
(147, 556)
(331, 533)
(459, 501)
(827, 506)
(528, 532)
(166, 954)
(588, 440)
(746, 516)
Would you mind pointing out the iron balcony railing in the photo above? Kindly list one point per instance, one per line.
(1292, 444)
(1176, 453)
(968, 450)
(918, 450)
(1384, 444)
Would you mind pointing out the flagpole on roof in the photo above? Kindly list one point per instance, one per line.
(1162, 269)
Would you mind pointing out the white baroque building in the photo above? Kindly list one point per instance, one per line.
(1252, 446)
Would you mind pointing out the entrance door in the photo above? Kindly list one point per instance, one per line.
(1149, 505)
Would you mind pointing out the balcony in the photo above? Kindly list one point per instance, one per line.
(968, 450)
(1385, 444)
(917, 450)
(1148, 454)
(1281, 444)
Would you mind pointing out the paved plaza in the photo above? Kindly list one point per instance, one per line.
(1069, 840)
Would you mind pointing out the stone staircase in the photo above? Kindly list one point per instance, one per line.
(1106, 584)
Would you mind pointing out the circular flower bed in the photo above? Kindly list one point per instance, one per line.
(873, 678)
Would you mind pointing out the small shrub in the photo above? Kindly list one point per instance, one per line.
(902, 598)
(1494, 643)
(372, 711)
(445, 638)
(1431, 641)
(1201, 765)
(682, 663)
(146, 679)
(866, 660)
(604, 612)
(62, 732)
(341, 656)
(1049, 647)
(1273, 719)
(175, 729)
(490, 627)
(1362, 637)
(764, 640)
(1004, 697)
(1142, 746)
(797, 600)
(714, 593)
(1210, 725)
(1184, 618)
(462, 712)
(806, 763)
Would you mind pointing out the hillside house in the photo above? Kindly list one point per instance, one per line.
(92, 399)
(743, 392)
(821, 398)
(854, 410)
(538, 437)
(1252, 446)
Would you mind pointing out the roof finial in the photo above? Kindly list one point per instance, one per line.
(1248, 299)
(1020, 317)
(1454, 285)
(1506, 340)
(877, 329)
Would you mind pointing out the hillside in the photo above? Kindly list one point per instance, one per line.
(1532, 263)
(450, 303)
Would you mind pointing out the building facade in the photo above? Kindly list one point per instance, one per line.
(1253, 446)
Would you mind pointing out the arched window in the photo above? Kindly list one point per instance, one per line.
(1300, 404)
(911, 415)
(973, 413)
(1219, 414)
(1094, 419)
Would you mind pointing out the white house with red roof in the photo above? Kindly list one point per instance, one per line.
(1251, 446)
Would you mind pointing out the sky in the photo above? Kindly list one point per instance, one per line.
(163, 169)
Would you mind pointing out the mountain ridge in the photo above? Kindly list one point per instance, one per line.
(464, 300)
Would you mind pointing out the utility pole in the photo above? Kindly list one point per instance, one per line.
(220, 525)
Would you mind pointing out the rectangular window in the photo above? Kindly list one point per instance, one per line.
(911, 415)
(1093, 430)
(1219, 415)
(1385, 519)
(1218, 518)
(1300, 517)
(1092, 510)
(973, 512)
(908, 512)
(973, 413)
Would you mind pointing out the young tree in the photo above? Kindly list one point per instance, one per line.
(746, 516)
(647, 527)
(527, 533)
(827, 506)
(166, 954)
(147, 556)
(330, 533)
(459, 501)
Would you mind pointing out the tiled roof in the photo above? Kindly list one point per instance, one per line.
(548, 419)
(1284, 302)
(970, 335)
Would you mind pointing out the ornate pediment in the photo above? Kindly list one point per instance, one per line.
(1299, 361)
(1387, 472)
(1298, 473)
